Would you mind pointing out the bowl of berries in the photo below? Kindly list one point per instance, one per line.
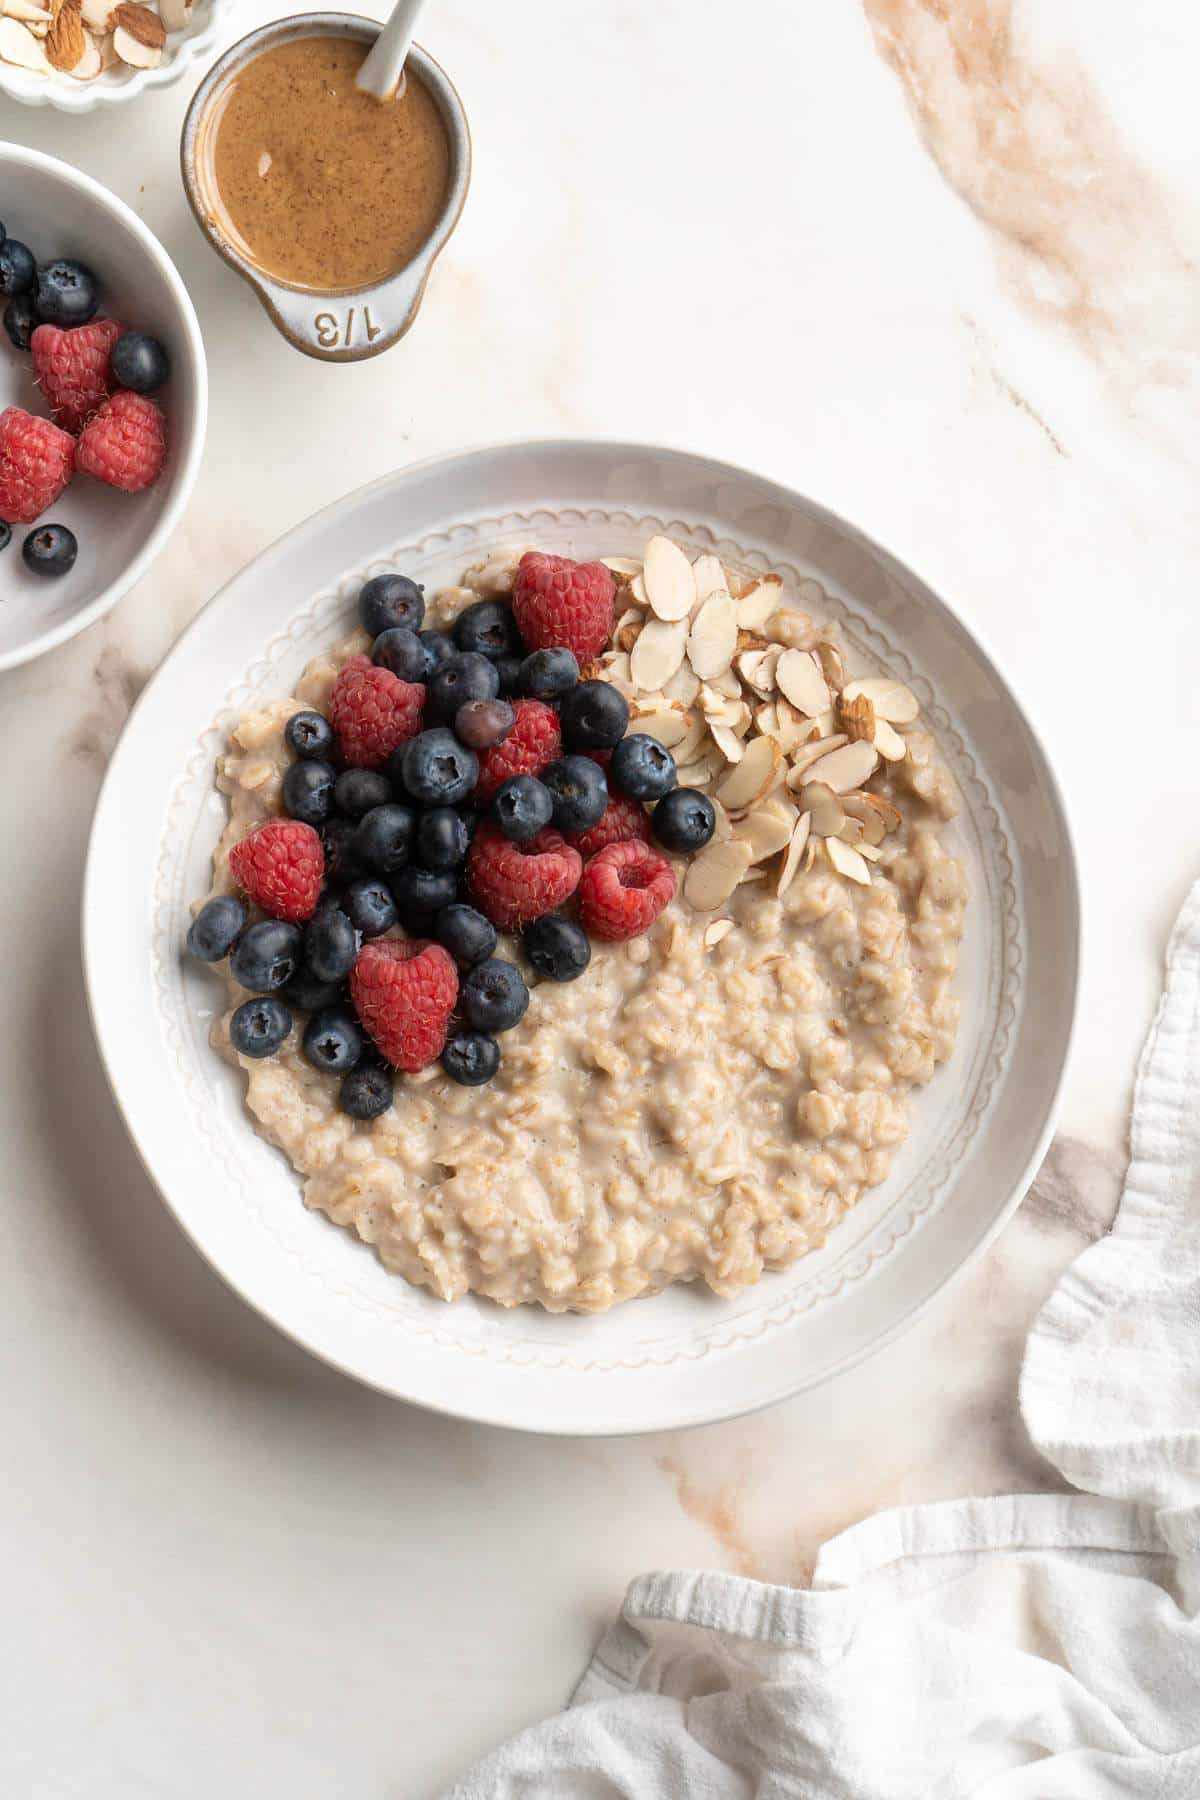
(103, 401)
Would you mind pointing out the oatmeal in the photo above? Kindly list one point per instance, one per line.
(707, 1099)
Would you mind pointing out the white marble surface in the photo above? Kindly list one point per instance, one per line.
(943, 278)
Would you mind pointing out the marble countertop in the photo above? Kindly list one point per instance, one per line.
(941, 275)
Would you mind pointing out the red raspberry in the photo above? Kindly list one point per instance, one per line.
(36, 461)
(622, 820)
(125, 443)
(515, 883)
(533, 742)
(557, 602)
(623, 890)
(373, 712)
(73, 369)
(404, 992)
(280, 865)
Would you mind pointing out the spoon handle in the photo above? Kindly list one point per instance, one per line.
(384, 65)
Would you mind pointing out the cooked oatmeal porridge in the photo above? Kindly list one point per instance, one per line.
(708, 1099)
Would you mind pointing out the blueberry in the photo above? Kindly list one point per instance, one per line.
(330, 945)
(466, 678)
(139, 362)
(388, 601)
(357, 791)
(18, 271)
(385, 836)
(5, 534)
(309, 995)
(549, 674)
(420, 894)
(481, 723)
(522, 807)
(216, 928)
(437, 769)
(266, 955)
(642, 767)
(339, 840)
(439, 650)
(471, 1058)
(442, 839)
(308, 791)
(50, 550)
(366, 1092)
(401, 651)
(684, 821)
(20, 321)
(333, 1041)
(258, 1027)
(489, 628)
(493, 997)
(465, 933)
(593, 716)
(369, 907)
(557, 947)
(508, 668)
(308, 733)
(578, 792)
(67, 293)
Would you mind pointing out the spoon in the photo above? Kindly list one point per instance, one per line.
(383, 69)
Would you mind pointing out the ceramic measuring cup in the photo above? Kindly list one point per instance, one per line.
(347, 324)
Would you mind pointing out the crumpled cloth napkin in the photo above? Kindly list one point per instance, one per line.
(1025, 1648)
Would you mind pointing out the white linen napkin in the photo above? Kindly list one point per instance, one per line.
(1025, 1648)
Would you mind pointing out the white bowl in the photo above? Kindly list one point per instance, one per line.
(59, 212)
(120, 84)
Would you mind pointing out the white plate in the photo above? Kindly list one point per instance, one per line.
(119, 84)
(683, 1357)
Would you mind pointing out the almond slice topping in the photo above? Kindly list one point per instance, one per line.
(891, 699)
(791, 862)
(668, 580)
(804, 758)
(824, 808)
(753, 777)
(857, 718)
(714, 933)
(713, 875)
(657, 654)
(800, 680)
(666, 724)
(727, 741)
(758, 602)
(19, 47)
(846, 768)
(620, 565)
(848, 862)
(888, 742)
(709, 578)
(713, 637)
(766, 831)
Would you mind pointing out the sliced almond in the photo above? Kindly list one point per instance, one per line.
(832, 666)
(800, 680)
(91, 61)
(758, 602)
(757, 669)
(888, 742)
(848, 862)
(766, 721)
(823, 807)
(29, 11)
(615, 668)
(141, 24)
(753, 777)
(856, 718)
(727, 741)
(791, 862)
(664, 723)
(846, 768)
(714, 873)
(723, 830)
(683, 686)
(792, 728)
(97, 15)
(891, 699)
(852, 832)
(708, 577)
(668, 580)
(713, 636)
(808, 754)
(176, 14)
(716, 932)
(657, 654)
(629, 630)
(134, 52)
(858, 806)
(791, 629)
(19, 47)
(889, 814)
(709, 764)
(869, 851)
(620, 565)
(766, 831)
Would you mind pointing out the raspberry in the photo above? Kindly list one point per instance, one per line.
(623, 889)
(558, 603)
(125, 443)
(533, 742)
(74, 370)
(373, 712)
(36, 461)
(623, 820)
(280, 865)
(404, 993)
(515, 883)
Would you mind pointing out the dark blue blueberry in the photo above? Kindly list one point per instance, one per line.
(20, 321)
(493, 997)
(330, 945)
(67, 293)
(439, 650)
(309, 733)
(420, 895)
(442, 839)
(139, 362)
(369, 907)
(481, 723)
(578, 792)
(466, 934)
(489, 628)
(642, 767)
(339, 839)
(266, 956)
(401, 651)
(387, 601)
(309, 995)
(308, 791)
(366, 1091)
(466, 678)
(259, 1027)
(385, 837)
(5, 534)
(593, 716)
(549, 674)
(333, 1041)
(216, 928)
(557, 947)
(50, 550)
(471, 1058)
(684, 821)
(437, 770)
(357, 791)
(18, 271)
(508, 668)
(522, 807)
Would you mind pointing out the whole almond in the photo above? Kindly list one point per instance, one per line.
(65, 40)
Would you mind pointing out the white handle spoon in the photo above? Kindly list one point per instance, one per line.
(383, 69)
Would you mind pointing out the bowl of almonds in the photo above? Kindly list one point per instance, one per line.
(77, 54)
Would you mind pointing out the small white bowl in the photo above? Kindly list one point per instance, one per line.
(59, 212)
(116, 85)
